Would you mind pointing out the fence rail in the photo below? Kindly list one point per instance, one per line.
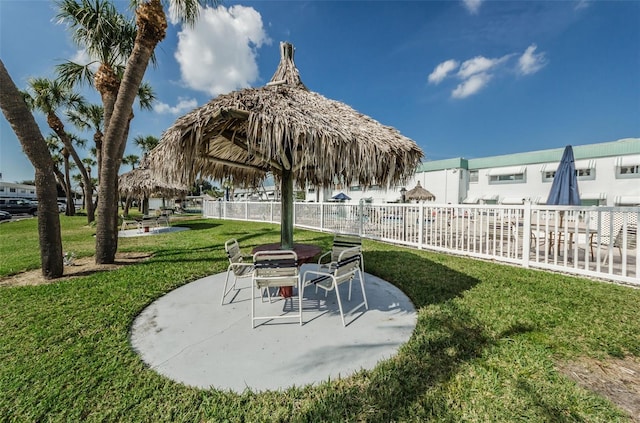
(598, 242)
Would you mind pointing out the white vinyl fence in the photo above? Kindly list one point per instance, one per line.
(598, 242)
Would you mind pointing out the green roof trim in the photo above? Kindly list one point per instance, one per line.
(621, 147)
(455, 163)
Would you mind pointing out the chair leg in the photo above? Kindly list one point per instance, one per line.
(224, 290)
(364, 294)
(300, 289)
(253, 306)
(336, 288)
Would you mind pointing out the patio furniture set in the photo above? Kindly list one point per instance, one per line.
(147, 223)
(271, 267)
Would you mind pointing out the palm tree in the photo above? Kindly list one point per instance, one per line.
(48, 96)
(147, 143)
(90, 117)
(131, 159)
(60, 156)
(151, 23)
(107, 35)
(26, 129)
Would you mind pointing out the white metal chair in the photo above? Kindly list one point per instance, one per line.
(237, 266)
(341, 242)
(344, 270)
(126, 222)
(630, 239)
(275, 269)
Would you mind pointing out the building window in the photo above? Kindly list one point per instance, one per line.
(513, 178)
(12, 190)
(355, 188)
(312, 190)
(590, 202)
(586, 174)
(1, 189)
(473, 176)
(623, 172)
(548, 176)
(374, 188)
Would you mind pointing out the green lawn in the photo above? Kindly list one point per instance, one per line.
(485, 346)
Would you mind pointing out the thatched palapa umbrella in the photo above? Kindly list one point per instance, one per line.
(419, 194)
(288, 130)
(142, 183)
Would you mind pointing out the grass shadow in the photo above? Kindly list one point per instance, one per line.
(424, 281)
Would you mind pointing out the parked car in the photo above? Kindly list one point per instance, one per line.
(18, 206)
(4, 215)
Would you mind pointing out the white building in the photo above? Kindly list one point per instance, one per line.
(608, 175)
(10, 189)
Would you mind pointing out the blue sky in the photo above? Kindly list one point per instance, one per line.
(462, 78)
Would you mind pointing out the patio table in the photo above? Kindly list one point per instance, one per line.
(305, 253)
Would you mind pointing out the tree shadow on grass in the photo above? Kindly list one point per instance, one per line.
(422, 280)
(445, 337)
(196, 226)
(408, 387)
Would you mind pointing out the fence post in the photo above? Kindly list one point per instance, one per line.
(421, 225)
(526, 234)
(361, 215)
(321, 216)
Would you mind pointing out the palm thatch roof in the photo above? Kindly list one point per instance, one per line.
(283, 127)
(419, 194)
(141, 182)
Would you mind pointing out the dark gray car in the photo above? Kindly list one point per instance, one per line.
(18, 206)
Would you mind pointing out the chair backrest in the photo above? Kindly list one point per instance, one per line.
(632, 237)
(348, 264)
(343, 242)
(234, 253)
(279, 266)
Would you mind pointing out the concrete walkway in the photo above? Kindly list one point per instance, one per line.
(189, 337)
(127, 233)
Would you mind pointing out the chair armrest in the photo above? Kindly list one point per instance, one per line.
(314, 272)
(328, 253)
(240, 265)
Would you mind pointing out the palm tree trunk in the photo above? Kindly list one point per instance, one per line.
(33, 144)
(58, 127)
(151, 30)
(67, 185)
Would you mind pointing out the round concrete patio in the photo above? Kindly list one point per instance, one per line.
(189, 337)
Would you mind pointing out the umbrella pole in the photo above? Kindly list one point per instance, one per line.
(286, 202)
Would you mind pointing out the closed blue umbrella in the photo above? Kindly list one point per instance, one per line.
(564, 189)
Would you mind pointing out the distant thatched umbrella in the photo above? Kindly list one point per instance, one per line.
(288, 130)
(141, 182)
(419, 194)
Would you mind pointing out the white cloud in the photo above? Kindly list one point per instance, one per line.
(184, 105)
(477, 72)
(218, 54)
(581, 4)
(471, 85)
(530, 62)
(442, 70)
(472, 5)
(479, 64)
(81, 57)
